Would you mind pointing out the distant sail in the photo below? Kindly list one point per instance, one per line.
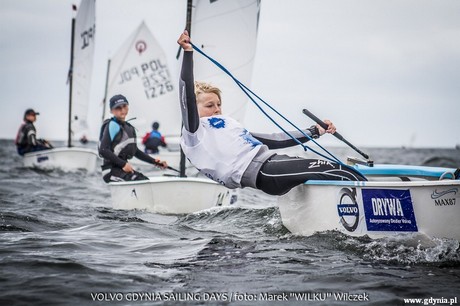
(83, 51)
(227, 31)
(139, 71)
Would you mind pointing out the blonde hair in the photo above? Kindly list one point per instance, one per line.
(202, 87)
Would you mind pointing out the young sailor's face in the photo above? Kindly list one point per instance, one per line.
(208, 105)
(120, 112)
(31, 117)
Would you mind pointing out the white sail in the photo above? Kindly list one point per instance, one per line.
(83, 54)
(226, 31)
(139, 71)
(81, 66)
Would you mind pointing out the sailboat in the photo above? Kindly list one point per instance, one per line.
(81, 60)
(139, 71)
(238, 21)
(394, 201)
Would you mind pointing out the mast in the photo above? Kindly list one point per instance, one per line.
(106, 89)
(69, 129)
(188, 23)
(188, 27)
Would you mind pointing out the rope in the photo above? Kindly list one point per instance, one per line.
(249, 92)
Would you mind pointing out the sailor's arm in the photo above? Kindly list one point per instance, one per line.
(188, 107)
(148, 159)
(31, 135)
(282, 140)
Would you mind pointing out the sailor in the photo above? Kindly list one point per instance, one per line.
(118, 145)
(26, 138)
(227, 153)
(153, 140)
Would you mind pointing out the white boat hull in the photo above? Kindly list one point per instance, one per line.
(374, 208)
(170, 195)
(65, 159)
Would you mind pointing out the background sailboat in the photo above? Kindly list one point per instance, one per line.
(139, 71)
(222, 27)
(81, 61)
(80, 71)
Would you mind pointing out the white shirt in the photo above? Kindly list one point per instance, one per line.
(221, 149)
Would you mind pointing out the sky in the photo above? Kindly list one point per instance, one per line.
(386, 72)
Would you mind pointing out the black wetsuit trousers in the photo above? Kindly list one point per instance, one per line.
(118, 175)
(281, 173)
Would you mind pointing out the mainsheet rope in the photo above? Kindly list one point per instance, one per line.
(246, 90)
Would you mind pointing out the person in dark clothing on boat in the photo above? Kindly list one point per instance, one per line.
(26, 138)
(118, 145)
(220, 148)
(153, 140)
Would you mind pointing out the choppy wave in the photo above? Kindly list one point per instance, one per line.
(406, 249)
(237, 221)
(61, 240)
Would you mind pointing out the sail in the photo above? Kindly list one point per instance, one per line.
(140, 72)
(83, 54)
(226, 31)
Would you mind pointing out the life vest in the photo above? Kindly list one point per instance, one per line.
(122, 136)
(153, 135)
(22, 137)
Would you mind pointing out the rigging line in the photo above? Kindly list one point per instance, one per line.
(246, 89)
(243, 87)
(305, 147)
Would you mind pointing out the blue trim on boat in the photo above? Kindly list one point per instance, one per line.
(404, 170)
(336, 183)
(391, 171)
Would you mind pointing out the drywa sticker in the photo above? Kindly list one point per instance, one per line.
(389, 210)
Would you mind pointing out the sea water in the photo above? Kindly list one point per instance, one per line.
(61, 243)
